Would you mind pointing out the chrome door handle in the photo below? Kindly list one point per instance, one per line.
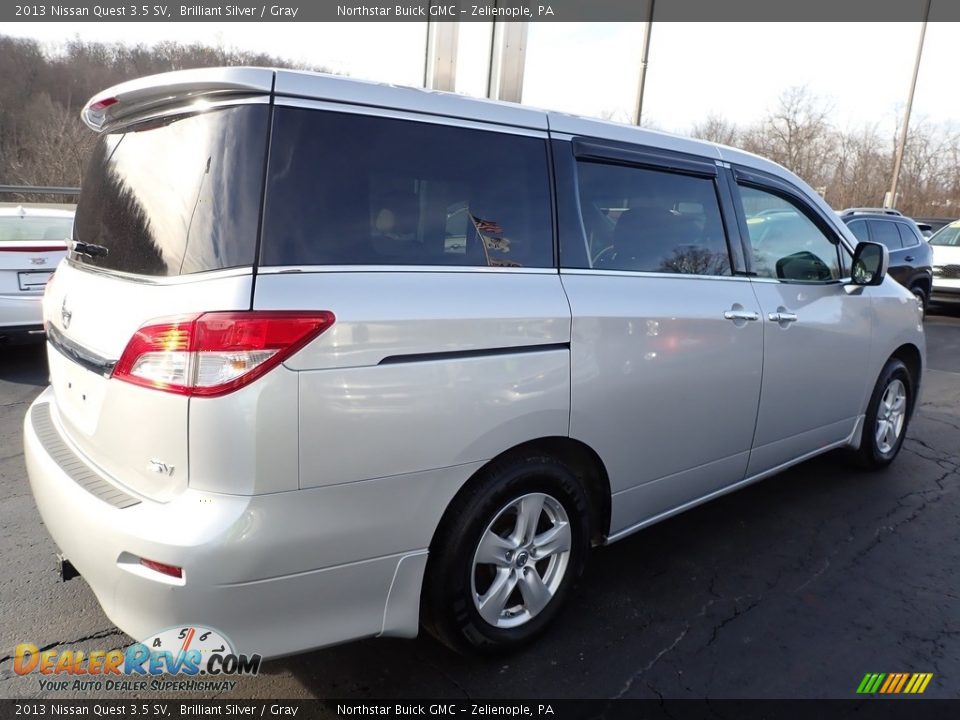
(740, 315)
(782, 317)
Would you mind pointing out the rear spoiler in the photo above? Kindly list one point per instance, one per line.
(111, 106)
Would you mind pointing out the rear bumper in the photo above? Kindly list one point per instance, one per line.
(21, 318)
(21, 310)
(246, 566)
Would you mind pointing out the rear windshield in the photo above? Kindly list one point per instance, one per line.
(176, 196)
(35, 228)
(380, 191)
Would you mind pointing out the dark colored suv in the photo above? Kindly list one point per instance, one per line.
(911, 258)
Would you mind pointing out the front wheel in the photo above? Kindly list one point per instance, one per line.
(922, 300)
(888, 414)
(506, 555)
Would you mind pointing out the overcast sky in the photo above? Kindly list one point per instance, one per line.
(734, 70)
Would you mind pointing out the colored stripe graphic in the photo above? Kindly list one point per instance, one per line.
(894, 683)
(903, 680)
(892, 679)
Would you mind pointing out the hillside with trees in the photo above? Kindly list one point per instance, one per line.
(853, 167)
(42, 139)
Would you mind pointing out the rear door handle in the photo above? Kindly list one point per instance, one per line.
(909, 258)
(741, 315)
(782, 317)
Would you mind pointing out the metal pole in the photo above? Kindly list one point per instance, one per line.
(507, 60)
(647, 31)
(440, 68)
(891, 199)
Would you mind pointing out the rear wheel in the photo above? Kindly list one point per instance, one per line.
(506, 555)
(887, 417)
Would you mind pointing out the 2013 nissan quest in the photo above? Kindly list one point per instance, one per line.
(332, 359)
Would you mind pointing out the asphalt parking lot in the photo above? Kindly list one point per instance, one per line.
(794, 587)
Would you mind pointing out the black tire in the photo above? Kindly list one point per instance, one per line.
(923, 298)
(448, 608)
(871, 454)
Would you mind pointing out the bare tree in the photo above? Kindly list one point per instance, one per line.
(716, 129)
(42, 140)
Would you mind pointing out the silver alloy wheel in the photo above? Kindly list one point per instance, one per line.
(521, 560)
(891, 415)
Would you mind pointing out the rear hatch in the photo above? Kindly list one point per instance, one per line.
(166, 226)
(31, 245)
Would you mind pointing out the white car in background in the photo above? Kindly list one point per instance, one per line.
(945, 244)
(32, 241)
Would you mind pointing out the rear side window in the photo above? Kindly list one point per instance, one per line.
(886, 233)
(907, 235)
(176, 196)
(651, 221)
(859, 230)
(361, 190)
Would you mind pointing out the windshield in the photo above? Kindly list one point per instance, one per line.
(35, 228)
(175, 196)
(949, 235)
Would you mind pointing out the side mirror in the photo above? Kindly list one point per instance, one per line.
(870, 263)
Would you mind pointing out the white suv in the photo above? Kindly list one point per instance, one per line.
(332, 359)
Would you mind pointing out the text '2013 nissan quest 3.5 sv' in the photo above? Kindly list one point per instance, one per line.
(332, 359)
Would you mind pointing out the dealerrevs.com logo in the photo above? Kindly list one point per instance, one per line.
(205, 656)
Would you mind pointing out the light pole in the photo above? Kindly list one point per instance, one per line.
(891, 198)
(645, 53)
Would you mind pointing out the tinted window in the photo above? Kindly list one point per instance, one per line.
(886, 233)
(35, 228)
(651, 221)
(907, 235)
(176, 196)
(859, 229)
(785, 243)
(360, 190)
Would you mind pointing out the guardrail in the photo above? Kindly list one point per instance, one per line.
(39, 190)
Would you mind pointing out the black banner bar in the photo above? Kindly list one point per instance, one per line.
(877, 709)
(478, 11)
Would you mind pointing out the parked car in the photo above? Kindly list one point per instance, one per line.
(946, 262)
(32, 241)
(934, 223)
(911, 259)
(352, 358)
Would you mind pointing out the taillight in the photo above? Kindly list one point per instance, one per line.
(215, 353)
(103, 103)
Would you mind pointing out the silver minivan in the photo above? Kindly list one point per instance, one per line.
(332, 359)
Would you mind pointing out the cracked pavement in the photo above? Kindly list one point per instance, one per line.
(793, 587)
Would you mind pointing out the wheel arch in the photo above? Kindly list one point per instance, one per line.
(579, 457)
(909, 355)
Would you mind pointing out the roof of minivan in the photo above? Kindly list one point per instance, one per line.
(111, 106)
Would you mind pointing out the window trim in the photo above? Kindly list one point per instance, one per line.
(612, 154)
(759, 180)
(615, 153)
